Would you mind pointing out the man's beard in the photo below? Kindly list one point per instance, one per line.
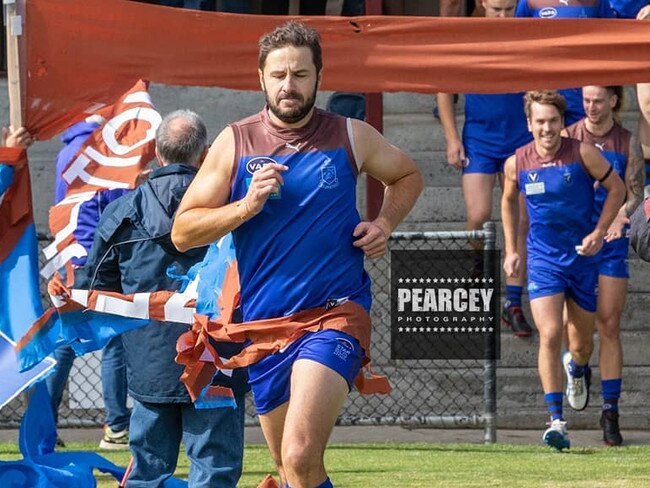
(291, 115)
(598, 119)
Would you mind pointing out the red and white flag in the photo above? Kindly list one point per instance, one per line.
(113, 157)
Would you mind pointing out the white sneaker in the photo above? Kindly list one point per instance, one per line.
(556, 436)
(113, 440)
(577, 389)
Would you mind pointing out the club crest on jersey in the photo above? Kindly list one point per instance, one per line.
(568, 179)
(328, 177)
(533, 177)
(257, 163)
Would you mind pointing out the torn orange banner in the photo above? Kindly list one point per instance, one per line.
(79, 53)
(16, 203)
(113, 157)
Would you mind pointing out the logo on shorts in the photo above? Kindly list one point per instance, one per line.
(548, 13)
(532, 286)
(328, 177)
(345, 343)
(256, 164)
(343, 349)
(533, 176)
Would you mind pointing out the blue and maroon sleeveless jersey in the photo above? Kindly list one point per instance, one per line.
(627, 9)
(297, 253)
(559, 198)
(564, 9)
(615, 146)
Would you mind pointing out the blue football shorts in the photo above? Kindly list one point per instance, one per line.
(270, 378)
(578, 282)
(612, 259)
(481, 163)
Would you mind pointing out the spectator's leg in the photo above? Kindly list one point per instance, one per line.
(393, 7)
(114, 385)
(313, 7)
(209, 5)
(236, 6)
(275, 7)
(353, 8)
(156, 432)
(64, 356)
(170, 3)
(214, 443)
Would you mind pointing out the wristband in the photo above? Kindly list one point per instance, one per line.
(243, 216)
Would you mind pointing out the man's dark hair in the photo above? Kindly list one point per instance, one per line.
(618, 91)
(181, 137)
(294, 34)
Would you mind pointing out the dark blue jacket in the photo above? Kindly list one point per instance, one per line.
(131, 253)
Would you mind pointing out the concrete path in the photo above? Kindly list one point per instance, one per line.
(352, 435)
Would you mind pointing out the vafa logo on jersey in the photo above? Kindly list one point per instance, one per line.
(256, 164)
(548, 13)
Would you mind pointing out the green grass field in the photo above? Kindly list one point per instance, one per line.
(444, 465)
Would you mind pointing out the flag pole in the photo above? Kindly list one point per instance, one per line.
(14, 28)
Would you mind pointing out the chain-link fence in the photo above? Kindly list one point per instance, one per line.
(437, 393)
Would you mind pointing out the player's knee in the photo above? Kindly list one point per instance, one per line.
(609, 328)
(277, 459)
(302, 460)
(477, 217)
(550, 340)
(581, 351)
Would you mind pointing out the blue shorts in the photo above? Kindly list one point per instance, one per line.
(480, 163)
(612, 259)
(270, 378)
(578, 282)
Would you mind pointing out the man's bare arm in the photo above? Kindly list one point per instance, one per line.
(598, 167)
(446, 111)
(634, 177)
(510, 217)
(399, 174)
(402, 186)
(204, 215)
(643, 96)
